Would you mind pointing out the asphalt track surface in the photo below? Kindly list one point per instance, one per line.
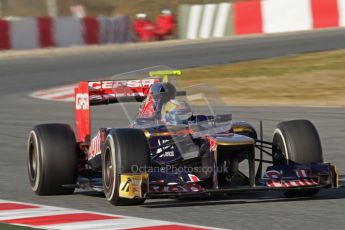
(18, 113)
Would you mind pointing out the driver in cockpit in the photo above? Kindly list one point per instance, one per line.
(162, 106)
(176, 112)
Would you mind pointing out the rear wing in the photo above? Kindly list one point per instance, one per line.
(164, 74)
(105, 92)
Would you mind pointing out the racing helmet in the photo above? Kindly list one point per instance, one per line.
(166, 12)
(141, 16)
(176, 111)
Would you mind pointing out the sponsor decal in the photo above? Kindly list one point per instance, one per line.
(176, 188)
(125, 186)
(122, 88)
(147, 108)
(294, 183)
(272, 174)
(170, 153)
(193, 178)
(145, 83)
(213, 144)
(95, 146)
(301, 173)
(81, 101)
(131, 185)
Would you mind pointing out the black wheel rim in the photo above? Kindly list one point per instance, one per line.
(108, 170)
(278, 152)
(33, 162)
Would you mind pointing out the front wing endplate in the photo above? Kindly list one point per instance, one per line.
(133, 185)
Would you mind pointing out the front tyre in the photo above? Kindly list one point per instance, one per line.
(297, 142)
(123, 149)
(52, 159)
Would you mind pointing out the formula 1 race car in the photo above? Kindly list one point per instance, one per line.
(169, 150)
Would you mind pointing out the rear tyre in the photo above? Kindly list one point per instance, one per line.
(52, 159)
(123, 149)
(297, 142)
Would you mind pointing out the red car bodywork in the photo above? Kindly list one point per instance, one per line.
(103, 92)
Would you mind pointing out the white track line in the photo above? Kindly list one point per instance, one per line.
(26, 213)
(63, 93)
(46, 212)
(110, 224)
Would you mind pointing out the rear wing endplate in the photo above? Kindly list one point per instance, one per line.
(105, 92)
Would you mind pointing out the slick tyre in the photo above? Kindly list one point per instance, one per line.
(123, 149)
(297, 142)
(52, 159)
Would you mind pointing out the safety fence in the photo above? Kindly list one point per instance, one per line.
(30, 33)
(259, 16)
(194, 22)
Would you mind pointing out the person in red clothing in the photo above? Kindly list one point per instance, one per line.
(144, 29)
(165, 24)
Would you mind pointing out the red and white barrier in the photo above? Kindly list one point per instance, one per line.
(30, 33)
(91, 32)
(261, 16)
(24, 33)
(325, 13)
(46, 33)
(202, 21)
(5, 40)
(286, 15)
(247, 18)
(297, 15)
(68, 32)
(341, 9)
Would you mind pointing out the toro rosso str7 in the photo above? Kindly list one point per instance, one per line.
(169, 150)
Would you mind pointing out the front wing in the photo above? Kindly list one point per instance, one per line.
(276, 178)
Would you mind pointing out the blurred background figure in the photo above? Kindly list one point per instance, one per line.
(165, 24)
(78, 11)
(144, 28)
